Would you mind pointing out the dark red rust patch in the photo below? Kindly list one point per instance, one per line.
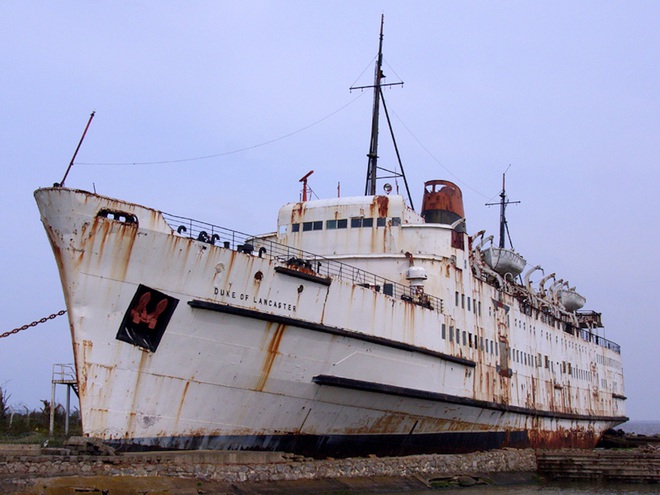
(381, 205)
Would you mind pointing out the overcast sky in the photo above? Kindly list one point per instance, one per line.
(566, 93)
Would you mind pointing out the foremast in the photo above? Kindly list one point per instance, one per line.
(372, 165)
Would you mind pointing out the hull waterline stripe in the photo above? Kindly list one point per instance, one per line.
(318, 327)
(349, 383)
(337, 446)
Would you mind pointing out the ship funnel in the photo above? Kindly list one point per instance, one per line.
(443, 203)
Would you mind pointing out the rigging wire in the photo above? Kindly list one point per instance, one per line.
(438, 161)
(392, 69)
(231, 152)
(363, 71)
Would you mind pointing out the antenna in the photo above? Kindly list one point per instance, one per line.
(61, 184)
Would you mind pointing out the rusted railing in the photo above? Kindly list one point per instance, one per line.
(324, 267)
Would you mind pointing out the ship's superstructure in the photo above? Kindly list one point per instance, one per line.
(358, 327)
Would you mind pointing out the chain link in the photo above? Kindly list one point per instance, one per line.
(33, 324)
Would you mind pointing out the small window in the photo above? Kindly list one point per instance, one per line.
(356, 223)
(307, 226)
(456, 298)
(469, 303)
(451, 333)
(463, 301)
(295, 227)
(380, 221)
(464, 337)
(396, 221)
(331, 224)
(367, 222)
(342, 223)
(444, 331)
(318, 225)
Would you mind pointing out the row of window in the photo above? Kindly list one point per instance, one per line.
(476, 307)
(342, 223)
(469, 340)
(542, 360)
(515, 355)
(612, 363)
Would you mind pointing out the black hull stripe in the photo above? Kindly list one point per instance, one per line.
(318, 327)
(338, 446)
(361, 385)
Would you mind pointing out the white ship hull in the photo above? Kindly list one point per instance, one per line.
(252, 352)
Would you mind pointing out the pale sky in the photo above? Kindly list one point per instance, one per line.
(565, 92)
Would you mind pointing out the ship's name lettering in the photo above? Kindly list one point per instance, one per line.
(271, 303)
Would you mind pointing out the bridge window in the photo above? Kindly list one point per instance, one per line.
(358, 222)
(307, 226)
(342, 223)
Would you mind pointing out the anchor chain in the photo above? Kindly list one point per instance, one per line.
(33, 324)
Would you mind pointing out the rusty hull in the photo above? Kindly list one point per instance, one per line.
(236, 365)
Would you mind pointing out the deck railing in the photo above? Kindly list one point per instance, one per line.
(287, 255)
(324, 267)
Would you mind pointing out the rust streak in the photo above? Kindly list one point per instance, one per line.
(183, 398)
(271, 353)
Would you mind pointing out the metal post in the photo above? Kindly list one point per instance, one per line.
(52, 410)
(68, 407)
(61, 184)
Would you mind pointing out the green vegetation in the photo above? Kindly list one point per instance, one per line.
(20, 425)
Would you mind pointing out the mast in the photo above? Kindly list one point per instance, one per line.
(502, 211)
(372, 166)
(504, 228)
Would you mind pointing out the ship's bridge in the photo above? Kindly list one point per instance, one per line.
(347, 226)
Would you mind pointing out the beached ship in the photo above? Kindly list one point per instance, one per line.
(359, 327)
